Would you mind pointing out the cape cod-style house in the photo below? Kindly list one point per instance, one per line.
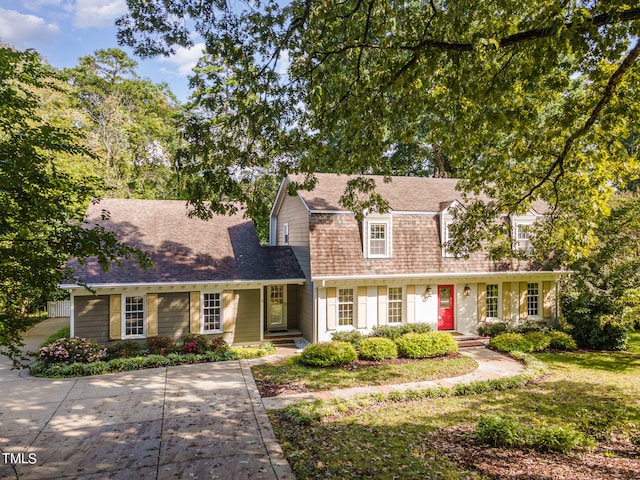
(323, 271)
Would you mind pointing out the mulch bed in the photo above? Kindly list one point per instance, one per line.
(616, 459)
(267, 388)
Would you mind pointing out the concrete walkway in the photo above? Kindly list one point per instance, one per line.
(490, 365)
(195, 421)
(192, 421)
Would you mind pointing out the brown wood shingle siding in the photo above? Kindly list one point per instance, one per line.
(92, 317)
(336, 248)
(173, 315)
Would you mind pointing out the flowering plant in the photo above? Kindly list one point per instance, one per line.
(72, 350)
(219, 345)
(195, 344)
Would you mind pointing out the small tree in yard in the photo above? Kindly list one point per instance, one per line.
(601, 300)
(41, 206)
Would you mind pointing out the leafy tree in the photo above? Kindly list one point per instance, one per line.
(41, 207)
(131, 125)
(525, 100)
(602, 298)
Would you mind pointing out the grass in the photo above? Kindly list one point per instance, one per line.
(589, 392)
(291, 371)
(63, 332)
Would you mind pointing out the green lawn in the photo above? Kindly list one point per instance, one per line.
(290, 374)
(596, 393)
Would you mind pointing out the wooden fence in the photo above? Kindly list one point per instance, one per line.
(60, 308)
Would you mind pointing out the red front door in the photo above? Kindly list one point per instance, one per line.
(445, 307)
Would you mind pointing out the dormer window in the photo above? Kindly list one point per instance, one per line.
(285, 234)
(523, 237)
(446, 239)
(377, 238)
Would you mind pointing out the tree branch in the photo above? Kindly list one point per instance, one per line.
(520, 37)
(609, 91)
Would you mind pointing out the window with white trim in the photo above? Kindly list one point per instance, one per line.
(394, 305)
(285, 234)
(523, 237)
(211, 312)
(378, 240)
(133, 313)
(345, 307)
(446, 239)
(492, 301)
(533, 295)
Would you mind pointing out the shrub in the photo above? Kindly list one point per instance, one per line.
(532, 326)
(329, 354)
(493, 329)
(124, 349)
(538, 340)
(63, 332)
(561, 341)
(155, 360)
(396, 331)
(511, 342)
(218, 344)
(195, 344)
(500, 432)
(354, 337)
(602, 332)
(96, 368)
(378, 349)
(72, 350)
(426, 345)
(508, 432)
(159, 345)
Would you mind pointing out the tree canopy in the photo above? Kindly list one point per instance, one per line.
(131, 125)
(525, 101)
(41, 206)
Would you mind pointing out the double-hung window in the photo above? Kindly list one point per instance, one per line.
(394, 305)
(134, 317)
(212, 312)
(345, 307)
(378, 240)
(523, 237)
(532, 299)
(492, 301)
(446, 237)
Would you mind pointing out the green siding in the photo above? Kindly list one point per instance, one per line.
(173, 315)
(292, 306)
(91, 318)
(247, 321)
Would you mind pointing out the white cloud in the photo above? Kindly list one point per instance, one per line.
(25, 31)
(284, 62)
(185, 59)
(98, 13)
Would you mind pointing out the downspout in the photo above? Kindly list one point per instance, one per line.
(72, 315)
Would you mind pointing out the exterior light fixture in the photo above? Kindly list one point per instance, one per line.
(427, 293)
(467, 291)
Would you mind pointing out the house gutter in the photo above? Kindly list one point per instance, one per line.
(441, 275)
(71, 286)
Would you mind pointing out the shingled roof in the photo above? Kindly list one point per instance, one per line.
(404, 194)
(185, 249)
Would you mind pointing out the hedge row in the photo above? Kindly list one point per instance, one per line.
(410, 345)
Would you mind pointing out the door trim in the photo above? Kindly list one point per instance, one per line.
(282, 325)
(441, 324)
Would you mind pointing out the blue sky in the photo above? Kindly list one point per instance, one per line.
(64, 30)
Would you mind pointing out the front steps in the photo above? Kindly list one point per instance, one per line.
(467, 341)
(288, 337)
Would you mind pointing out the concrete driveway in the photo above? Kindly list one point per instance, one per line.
(196, 421)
